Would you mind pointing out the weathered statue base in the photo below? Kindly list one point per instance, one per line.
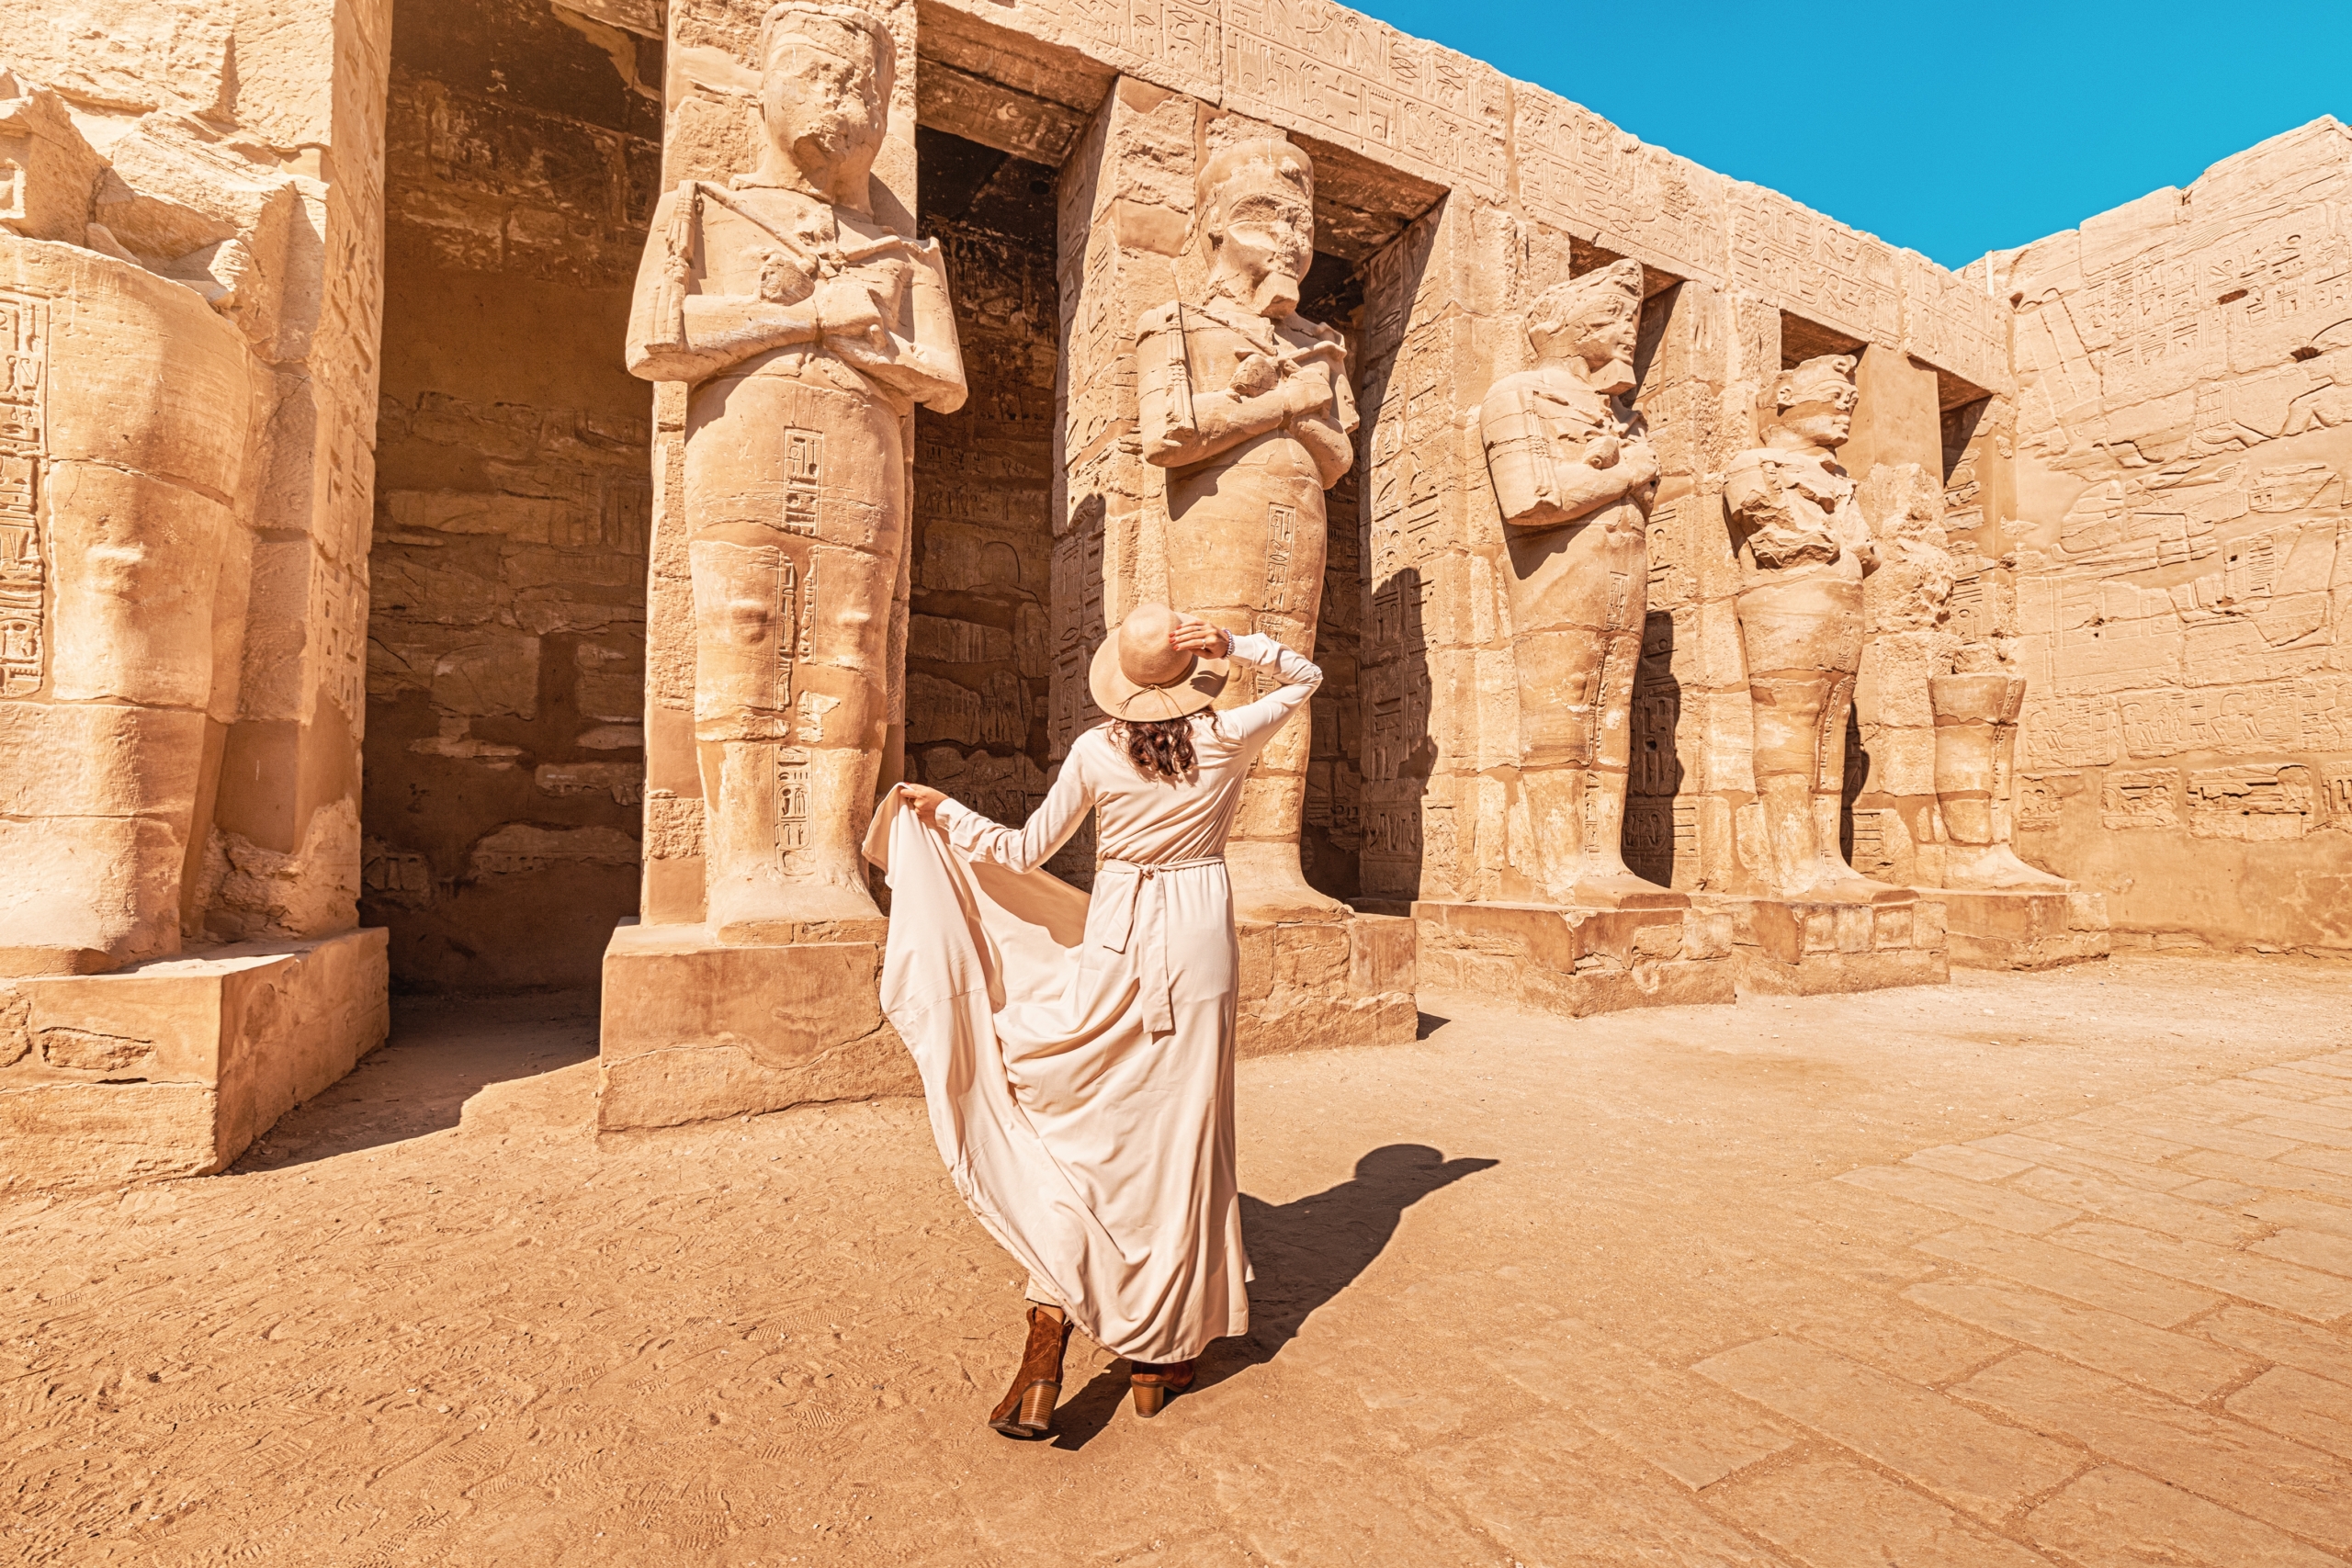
(2019, 929)
(1317, 985)
(1649, 950)
(1798, 947)
(173, 1067)
(695, 1028)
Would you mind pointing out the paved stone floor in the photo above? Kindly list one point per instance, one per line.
(2026, 1269)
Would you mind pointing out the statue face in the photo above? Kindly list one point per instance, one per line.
(822, 102)
(1265, 244)
(1823, 421)
(1603, 336)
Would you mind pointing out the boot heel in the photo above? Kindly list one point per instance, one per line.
(1037, 1407)
(1149, 1398)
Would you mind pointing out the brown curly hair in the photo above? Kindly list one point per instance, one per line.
(1159, 747)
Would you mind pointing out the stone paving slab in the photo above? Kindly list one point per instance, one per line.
(1990, 1274)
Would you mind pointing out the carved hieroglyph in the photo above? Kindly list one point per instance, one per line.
(1804, 548)
(1574, 478)
(808, 329)
(1246, 403)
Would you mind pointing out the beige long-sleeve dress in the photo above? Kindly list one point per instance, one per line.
(1078, 1054)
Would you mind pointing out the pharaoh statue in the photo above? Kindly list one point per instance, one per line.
(126, 406)
(1976, 741)
(1803, 551)
(806, 331)
(1246, 403)
(1573, 478)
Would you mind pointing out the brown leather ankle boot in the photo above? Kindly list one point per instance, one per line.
(1154, 1382)
(1027, 1409)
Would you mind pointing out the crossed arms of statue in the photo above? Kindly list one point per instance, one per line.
(1537, 483)
(1302, 390)
(880, 304)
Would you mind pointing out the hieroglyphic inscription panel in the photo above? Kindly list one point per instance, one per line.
(1815, 266)
(1582, 174)
(1321, 68)
(24, 349)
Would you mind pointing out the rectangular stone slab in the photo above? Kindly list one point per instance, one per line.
(696, 1029)
(2022, 930)
(1789, 947)
(173, 1067)
(1575, 961)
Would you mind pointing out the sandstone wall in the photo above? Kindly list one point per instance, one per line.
(976, 664)
(2182, 434)
(506, 638)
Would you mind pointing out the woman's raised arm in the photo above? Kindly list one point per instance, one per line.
(1253, 722)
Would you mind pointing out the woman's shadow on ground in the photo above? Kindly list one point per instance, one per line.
(1305, 1253)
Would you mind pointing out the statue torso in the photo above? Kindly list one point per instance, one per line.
(767, 243)
(1807, 513)
(1219, 338)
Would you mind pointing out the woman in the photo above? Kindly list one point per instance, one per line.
(1076, 1054)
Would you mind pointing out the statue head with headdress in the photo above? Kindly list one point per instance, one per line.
(1815, 401)
(1257, 207)
(1591, 322)
(825, 78)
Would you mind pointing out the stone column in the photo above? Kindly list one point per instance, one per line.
(778, 577)
(1313, 971)
(190, 322)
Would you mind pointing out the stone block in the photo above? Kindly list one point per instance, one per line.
(1319, 985)
(173, 1067)
(1782, 947)
(2023, 931)
(1573, 961)
(696, 1029)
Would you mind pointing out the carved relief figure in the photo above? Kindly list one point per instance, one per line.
(1246, 403)
(1573, 478)
(1976, 711)
(808, 331)
(1804, 549)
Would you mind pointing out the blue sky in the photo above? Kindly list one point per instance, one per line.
(1952, 128)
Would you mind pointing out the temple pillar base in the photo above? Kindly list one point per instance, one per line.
(1574, 961)
(1797, 947)
(1319, 984)
(175, 1066)
(1994, 928)
(695, 1028)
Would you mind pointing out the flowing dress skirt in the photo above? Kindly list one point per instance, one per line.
(1077, 1056)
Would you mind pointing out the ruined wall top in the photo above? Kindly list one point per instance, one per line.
(1321, 70)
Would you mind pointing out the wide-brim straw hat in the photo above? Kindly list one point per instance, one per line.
(1138, 676)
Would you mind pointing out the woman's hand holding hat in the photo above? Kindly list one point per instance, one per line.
(1194, 634)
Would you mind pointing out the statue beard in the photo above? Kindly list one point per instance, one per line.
(1612, 379)
(1276, 296)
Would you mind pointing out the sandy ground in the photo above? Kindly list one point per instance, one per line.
(2022, 1269)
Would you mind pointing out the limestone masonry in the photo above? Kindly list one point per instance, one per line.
(491, 489)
